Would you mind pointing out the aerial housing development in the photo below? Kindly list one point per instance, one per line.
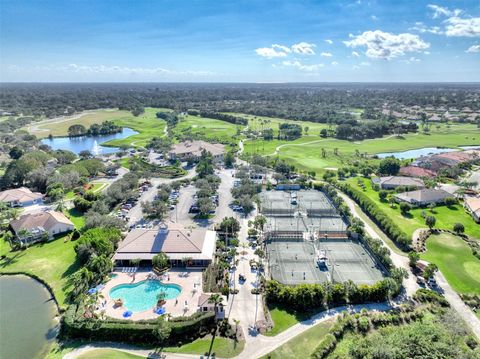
(255, 180)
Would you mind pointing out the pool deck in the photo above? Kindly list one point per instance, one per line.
(175, 307)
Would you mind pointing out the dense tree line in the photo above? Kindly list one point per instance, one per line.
(236, 120)
(312, 102)
(105, 128)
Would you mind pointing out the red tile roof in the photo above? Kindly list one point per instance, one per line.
(414, 171)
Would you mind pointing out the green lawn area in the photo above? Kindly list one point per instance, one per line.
(305, 152)
(107, 354)
(95, 187)
(44, 128)
(221, 347)
(147, 124)
(455, 260)
(446, 217)
(283, 319)
(210, 129)
(303, 345)
(263, 122)
(54, 262)
(77, 218)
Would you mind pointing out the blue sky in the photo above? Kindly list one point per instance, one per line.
(245, 41)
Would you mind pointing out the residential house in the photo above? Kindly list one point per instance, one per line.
(20, 197)
(414, 171)
(392, 182)
(472, 205)
(423, 197)
(196, 246)
(205, 306)
(35, 227)
(192, 150)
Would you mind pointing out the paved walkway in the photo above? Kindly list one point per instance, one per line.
(457, 303)
(245, 306)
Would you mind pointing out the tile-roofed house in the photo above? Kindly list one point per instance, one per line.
(20, 197)
(193, 149)
(392, 182)
(33, 227)
(414, 171)
(423, 197)
(447, 159)
(177, 243)
(472, 205)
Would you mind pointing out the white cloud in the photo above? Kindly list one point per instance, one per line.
(373, 17)
(455, 25)
(355, 54)
(464, 27)
(307, 68)
(334, 63)
(412, 60)
(326, 54)
(112, 70)
(274, 51)
(473, 49)
(365, 63)
(328, 41)
(385, 45)
(439, 11)
(303, 48)
(422, 28)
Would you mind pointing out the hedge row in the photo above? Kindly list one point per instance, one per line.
(377, 216)
(184, 329)
(362, 323)
(321, 296)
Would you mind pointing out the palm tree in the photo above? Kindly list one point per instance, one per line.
(237, 322)
(81, 280)
(215, 299)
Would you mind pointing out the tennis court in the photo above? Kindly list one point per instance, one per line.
(294, 262)
(349, 260)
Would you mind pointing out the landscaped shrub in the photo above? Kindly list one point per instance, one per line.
(377, 215)
(183, 329)
(429, 296)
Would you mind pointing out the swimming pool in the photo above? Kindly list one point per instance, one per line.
(142, 296)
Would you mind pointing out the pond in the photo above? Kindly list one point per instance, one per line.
(28, 322)
(88, 143)
(412, 154)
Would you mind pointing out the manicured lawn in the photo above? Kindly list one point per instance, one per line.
(305, 152)
(456, 262)
(283, 319)
(303, 345)
(107, 354)
(95, 187)
(44, 128)
(263, 122)
(54, 262)
(76, 217)
(147, 124)
(446, 217)
(221, 347)
(210, 129)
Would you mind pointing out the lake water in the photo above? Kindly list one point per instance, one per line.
(411, 154)
(28, 323)
(78, 144)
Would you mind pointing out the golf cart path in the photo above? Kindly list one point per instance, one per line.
(410, 284)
